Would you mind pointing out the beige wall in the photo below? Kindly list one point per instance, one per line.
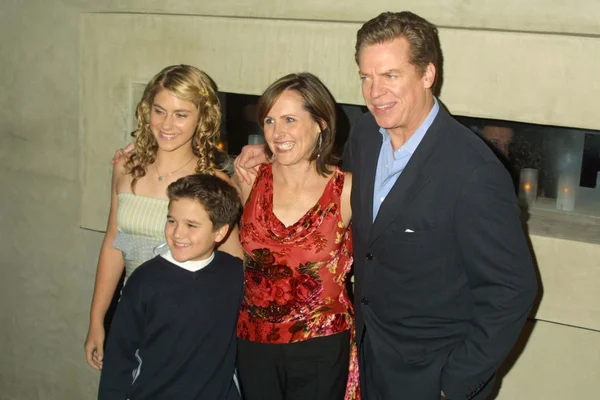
(481, 77)
(48, 262)
(579, 17)
(46, 272)
(558, 362)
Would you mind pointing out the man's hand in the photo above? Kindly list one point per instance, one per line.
(250, 158)
(122, 154)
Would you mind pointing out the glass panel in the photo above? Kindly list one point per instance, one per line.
(567, 161)
(562, 165)
(240, 126)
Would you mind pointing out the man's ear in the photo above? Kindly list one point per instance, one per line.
(429, 76)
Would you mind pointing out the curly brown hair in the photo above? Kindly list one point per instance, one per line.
(186, 83)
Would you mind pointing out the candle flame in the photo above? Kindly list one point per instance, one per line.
(527, 187)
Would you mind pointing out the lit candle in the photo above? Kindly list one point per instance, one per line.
(565, 195)
(528, 183)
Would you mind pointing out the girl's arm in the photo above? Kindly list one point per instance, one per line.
(243, 185)
(232, 244)
(109, 271)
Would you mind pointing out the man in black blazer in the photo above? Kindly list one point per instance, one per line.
(444, 276)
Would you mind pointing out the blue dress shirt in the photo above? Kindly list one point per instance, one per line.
(391, 163)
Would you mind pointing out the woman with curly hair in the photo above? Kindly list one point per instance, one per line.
(178, 121)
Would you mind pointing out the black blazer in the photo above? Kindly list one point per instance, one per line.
(439, 307)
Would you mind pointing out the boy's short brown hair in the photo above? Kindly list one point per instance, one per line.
(220, 200)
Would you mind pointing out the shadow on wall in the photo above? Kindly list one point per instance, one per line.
(521, 343)
(513, 357)
(504, 156)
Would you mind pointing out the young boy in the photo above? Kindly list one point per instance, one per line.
(173, 334)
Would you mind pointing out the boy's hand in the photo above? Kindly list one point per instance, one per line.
(122, 154)
(250, 158)
(94, 347)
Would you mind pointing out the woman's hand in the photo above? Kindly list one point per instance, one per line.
(246, 164)
(122, 154)
(94, 346)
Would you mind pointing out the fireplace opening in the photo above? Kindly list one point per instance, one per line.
(553, 168)
(561, 164)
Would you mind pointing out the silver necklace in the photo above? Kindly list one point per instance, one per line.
(163, 177)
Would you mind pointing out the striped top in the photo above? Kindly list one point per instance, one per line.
(141, 224)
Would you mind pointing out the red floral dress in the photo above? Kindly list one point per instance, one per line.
(295, 276)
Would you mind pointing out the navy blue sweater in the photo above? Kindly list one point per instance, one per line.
(173, 335)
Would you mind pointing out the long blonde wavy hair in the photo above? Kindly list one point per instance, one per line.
(186, 83)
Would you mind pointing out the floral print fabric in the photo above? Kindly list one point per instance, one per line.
(295, 277)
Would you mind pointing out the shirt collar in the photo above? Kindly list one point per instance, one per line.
(189, 265)
(413, 142)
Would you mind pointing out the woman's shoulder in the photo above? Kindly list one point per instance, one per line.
(342, 177)
(347, 177)
(343, 188)
(347, 186)
(120, 171)
(341, 183)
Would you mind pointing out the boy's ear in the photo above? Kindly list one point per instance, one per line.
(221, 233)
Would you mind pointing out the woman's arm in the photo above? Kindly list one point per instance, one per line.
(345, 200)
(108, 273)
